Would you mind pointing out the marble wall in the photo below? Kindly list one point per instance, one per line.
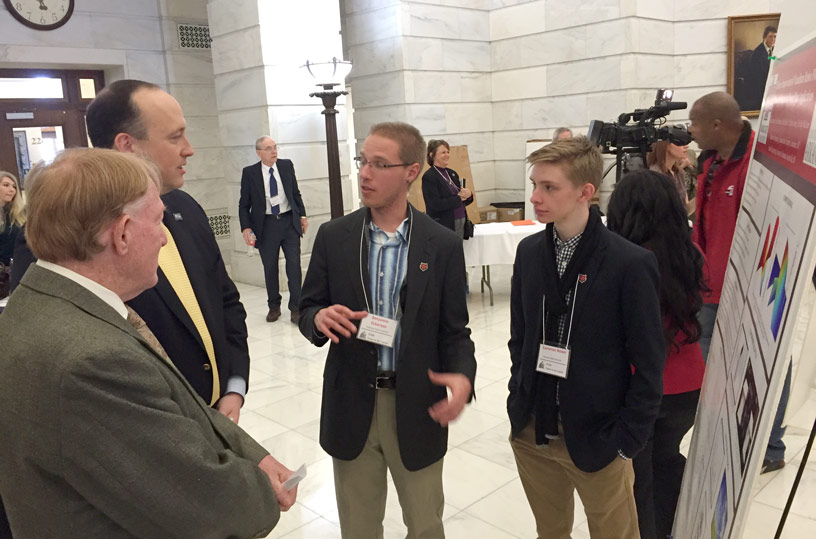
(426, 63)
(189, 78)
(123, 38)
(494, 73)
(136, 39)
(258, 49)
(557, 62)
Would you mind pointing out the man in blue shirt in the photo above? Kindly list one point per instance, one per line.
(386, 284)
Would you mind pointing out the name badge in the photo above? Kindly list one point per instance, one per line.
(275, 200)
(378, 330)
(553, 359)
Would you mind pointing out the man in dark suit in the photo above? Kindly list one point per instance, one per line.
(194, 309)
(587, 351)
(401, 277)
(758, 71)
(102, 436)
(273, 217)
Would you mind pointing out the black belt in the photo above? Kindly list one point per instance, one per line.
(386, 380)
(279, 215)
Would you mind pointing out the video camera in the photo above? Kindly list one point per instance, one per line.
(623, 137)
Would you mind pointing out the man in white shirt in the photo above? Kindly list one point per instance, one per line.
(271, 210)
(102, 435)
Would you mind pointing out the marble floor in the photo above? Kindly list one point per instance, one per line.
(484, 498)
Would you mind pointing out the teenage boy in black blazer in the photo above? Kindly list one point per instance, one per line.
(586, 377)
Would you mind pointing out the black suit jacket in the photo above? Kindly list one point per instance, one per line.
(252, 204)
(217, 296)
(617, 323)
(434, 336)
(758, 75)
(439, 201)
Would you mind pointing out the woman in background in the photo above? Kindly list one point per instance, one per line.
(670, 159)
(12, 215)
(445, 197)
(645, 209)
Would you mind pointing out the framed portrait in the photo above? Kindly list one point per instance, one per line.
(751, 40)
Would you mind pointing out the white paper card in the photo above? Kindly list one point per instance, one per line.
(378, 330)
(275, 200)
(553, 360)
(296, 478)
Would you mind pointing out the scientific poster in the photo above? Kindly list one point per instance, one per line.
(769, 268)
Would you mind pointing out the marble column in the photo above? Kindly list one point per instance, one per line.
(427, 64)
(260, 89)
(189, 78)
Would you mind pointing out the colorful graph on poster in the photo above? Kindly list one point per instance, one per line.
(776, 282)
(777, 277)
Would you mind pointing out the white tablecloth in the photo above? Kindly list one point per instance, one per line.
(496, 243)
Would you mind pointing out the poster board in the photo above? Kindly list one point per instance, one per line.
(769, 272)
(460, 162)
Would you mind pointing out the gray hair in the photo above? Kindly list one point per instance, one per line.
(560, 130)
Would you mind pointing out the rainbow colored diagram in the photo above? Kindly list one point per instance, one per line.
(777, 277)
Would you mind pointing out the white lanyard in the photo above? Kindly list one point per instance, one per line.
(544, 314)
(362, 237)
(445, 177)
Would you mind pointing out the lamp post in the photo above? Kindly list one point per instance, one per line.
(326, 74)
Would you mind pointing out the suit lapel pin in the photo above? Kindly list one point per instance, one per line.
(423, 266)
(177, 216)
(582, 278)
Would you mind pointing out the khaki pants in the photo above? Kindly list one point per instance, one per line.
(361, 487)
(549, 478)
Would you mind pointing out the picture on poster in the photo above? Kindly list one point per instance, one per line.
(747, 415)
(720, 519)
(697, 511)
(784, 227)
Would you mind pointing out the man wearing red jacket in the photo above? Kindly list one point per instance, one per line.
(726, 140)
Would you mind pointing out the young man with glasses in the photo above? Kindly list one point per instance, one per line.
(386, 284)
(726, 140)
(272, 218)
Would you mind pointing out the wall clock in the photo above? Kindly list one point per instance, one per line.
(41, 14)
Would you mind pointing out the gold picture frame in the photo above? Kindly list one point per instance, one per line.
(748, 59)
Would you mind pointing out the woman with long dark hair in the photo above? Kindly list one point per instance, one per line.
(645, 209)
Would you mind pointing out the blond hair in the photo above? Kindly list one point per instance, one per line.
(15, 210)
(408, 138)
(80, 193)
(579, 158)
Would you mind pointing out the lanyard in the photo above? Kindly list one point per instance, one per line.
(362, 237)
(544, 314)
(445, 176)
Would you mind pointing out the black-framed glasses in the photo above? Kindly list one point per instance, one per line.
(378, 165)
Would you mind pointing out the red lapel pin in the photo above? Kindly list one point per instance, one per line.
(582, 278)
(423, 266)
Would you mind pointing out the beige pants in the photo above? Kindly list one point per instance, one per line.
(361, 487)
(549, 478)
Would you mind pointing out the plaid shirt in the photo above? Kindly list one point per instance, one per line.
(563, 254)
(387, 260)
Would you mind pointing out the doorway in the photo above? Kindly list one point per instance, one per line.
(42, 111)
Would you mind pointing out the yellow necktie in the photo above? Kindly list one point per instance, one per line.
(173, 267)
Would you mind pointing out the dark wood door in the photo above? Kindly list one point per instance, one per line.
(66, 113)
